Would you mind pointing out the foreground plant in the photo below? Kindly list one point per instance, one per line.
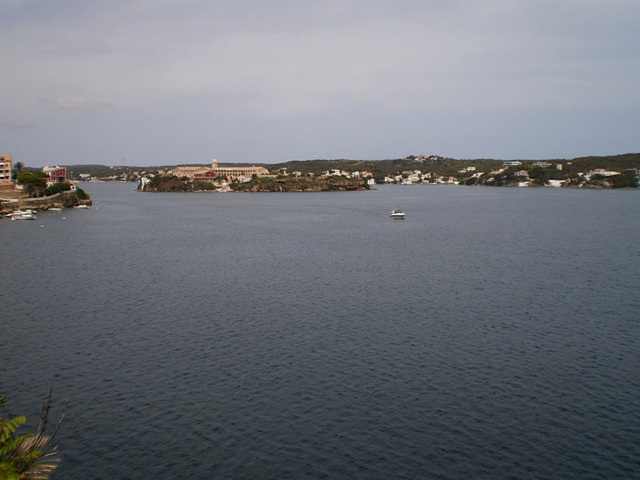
(29, 456)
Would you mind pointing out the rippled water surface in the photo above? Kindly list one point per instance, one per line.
(494, 333)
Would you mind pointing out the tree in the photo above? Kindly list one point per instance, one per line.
(82, 195)
(18, 168)
(34, 182)
(28, 456)
(626, 179)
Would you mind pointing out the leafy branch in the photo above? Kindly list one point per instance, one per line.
(29, 456)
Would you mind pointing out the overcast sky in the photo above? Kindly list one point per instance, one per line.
(158, 82)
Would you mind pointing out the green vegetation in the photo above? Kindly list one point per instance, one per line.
(28, 456)
(33, 182)
(111, 173)
(541, 175)
(299, 184)
(82, 195)
(204, 185)
(381, 168)
(610, 162)
(168, 183)
(280, 183)
(56, 188)
(627, 179)
(17, 169)
(264, 184)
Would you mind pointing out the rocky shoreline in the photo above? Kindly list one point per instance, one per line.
(68, 199)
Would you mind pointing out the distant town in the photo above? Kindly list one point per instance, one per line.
(617, 171)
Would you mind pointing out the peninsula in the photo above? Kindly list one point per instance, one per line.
(271, 183)
(246, 179)
(35, 189)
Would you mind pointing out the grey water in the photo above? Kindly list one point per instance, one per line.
(493, 333)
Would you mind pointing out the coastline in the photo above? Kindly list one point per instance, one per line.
(58, 200)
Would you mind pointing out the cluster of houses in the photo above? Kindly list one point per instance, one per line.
(416, 176)
(408, 177)
(7, 182)
(471, 175)
(119, 174)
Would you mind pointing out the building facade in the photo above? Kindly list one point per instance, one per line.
(6, 170)
(215, 171)
(55, 174)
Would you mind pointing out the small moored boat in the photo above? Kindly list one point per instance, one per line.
(397, 214)
(22, 215)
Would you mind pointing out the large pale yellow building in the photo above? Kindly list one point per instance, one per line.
(217, 171)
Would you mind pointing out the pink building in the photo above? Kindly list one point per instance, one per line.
(206, 175)
(56, 174)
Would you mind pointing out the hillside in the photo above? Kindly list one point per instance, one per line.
(433, 169)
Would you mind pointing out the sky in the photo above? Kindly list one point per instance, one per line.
(165, 82)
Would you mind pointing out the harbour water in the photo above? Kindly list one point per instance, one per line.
(493, 333)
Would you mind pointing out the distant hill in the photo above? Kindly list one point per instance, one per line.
(380, 168)
(451, 166)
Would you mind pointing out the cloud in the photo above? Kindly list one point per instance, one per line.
(79, 103)
(285, 60)
(14, 125)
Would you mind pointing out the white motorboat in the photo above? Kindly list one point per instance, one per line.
(399, 214)
(22, 215)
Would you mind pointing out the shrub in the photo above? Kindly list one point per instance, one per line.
(56, 188)
(203, 185)
(82, 195)
(625, 180)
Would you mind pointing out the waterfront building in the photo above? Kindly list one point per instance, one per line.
(189, 171)
(6, 169)
(215, 171)
(55, 174)
(602, 172)
(208, 175)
